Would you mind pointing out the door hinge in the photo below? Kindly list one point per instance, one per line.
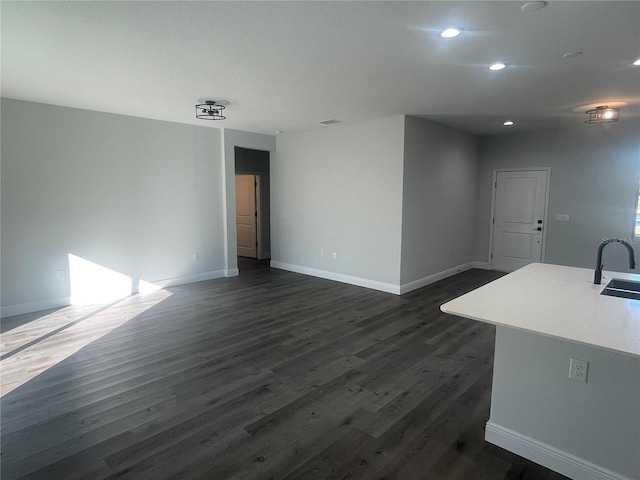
(495, 185)
(256, 213)
(493, 220)
(256, 244)
(491, 256)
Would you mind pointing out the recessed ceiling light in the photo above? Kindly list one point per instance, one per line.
(331, 122)
(451, 32)
(508, 123)
(637, 62)
(497, 66)
(533, 6)
(572, 54)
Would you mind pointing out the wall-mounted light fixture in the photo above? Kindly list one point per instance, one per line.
(603, 114)
(210, 110)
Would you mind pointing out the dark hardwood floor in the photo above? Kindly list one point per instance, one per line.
(269, 375)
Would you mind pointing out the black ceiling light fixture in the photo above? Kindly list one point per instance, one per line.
(210, 110)
(603, 114)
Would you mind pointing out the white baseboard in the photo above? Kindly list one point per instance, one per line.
(338, 277)
(375, 285)
(20, 309)
(232, 272)
(407, 287)
(198, 277)
(481, 265)
(546, 455)
(11, 310)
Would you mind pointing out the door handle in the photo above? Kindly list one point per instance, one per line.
(539, 229)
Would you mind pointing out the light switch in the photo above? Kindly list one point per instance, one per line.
(562, 217)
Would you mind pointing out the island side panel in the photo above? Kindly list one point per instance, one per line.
(575, 428)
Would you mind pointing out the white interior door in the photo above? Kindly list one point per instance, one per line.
(246, 215)
(519, 216)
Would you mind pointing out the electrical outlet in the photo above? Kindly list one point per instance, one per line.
(196, 256)
(322, 253)
(578, 370)
(334, 255)
(61, 274)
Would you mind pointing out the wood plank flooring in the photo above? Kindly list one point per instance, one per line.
(269, 375)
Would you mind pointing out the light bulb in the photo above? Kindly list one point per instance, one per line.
(451, 32)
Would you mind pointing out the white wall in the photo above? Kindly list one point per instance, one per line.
(438, 200)
(136, 196)
(339, 189)
(594, 179)
(392, 197)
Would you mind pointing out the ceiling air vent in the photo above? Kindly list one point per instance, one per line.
(331, 122)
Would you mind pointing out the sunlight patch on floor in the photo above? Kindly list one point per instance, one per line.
(29, 351)
(39, 344)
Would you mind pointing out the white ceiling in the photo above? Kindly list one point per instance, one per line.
(286, 66)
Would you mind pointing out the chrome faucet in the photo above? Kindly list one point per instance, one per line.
(597, 278)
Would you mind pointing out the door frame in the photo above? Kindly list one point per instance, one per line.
(259, 249)
(545, 219)
(230, 139)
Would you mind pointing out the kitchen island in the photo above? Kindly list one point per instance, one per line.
(546, 315)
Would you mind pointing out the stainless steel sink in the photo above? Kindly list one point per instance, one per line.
(622, 288)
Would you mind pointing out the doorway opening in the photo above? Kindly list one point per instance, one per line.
(252, 209)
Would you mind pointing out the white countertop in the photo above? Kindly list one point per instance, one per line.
(557, 301)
